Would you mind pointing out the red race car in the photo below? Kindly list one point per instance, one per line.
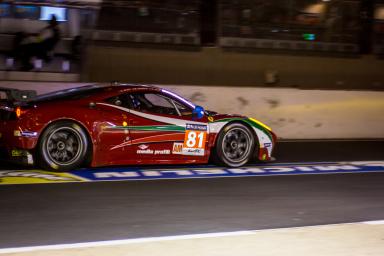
(119, 124)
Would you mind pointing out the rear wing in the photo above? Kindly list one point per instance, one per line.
(11, 96)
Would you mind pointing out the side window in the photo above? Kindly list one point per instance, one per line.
(151, 103)
(183, 110)
(156, 103)
(165, 105)
(123, 100)
(158, 100)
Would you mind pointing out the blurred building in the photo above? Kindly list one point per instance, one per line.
(197, 38)
(291, 24)
(21, 23)
(378, 23)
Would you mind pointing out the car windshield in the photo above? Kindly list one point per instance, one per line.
(174, 95)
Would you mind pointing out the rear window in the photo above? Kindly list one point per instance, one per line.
(70, 94)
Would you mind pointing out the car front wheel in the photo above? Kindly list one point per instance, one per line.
(235, 145)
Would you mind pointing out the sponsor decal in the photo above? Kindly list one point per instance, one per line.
(143, 147)
(211, 172)
(145, 150)
(35, 176)
(17, 153)
(136, 173)
(195, 140)
(163, 152)
(193, 151)
(196, 127)
(177, 148)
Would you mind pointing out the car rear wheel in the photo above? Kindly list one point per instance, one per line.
(63, 146)
(234, 146)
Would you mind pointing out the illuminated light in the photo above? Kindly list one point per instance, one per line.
(125, 124)
(309, 37)
(318, 8)
(18, 112)
(379, 13)
(261, 124)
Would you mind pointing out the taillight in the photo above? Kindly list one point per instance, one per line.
(12, 113)
(19, 112)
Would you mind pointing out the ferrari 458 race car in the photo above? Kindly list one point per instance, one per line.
(118, 124)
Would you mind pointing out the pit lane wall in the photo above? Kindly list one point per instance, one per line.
(292, 113)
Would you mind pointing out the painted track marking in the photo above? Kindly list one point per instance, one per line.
(165, 238)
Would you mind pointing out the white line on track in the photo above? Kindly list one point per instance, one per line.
(329, 140)
(375, 222)
(164, 238)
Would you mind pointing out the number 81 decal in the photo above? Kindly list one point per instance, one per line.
(194, 140)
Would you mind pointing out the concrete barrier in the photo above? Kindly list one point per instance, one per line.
(292, 113)
(217, 66)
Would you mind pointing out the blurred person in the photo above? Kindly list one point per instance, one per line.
(76, 47)
(38, 45)
(50, 36)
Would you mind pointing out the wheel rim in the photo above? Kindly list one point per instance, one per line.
(64, 146)
(236, 145)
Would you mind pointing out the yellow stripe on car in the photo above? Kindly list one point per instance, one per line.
(260, 123)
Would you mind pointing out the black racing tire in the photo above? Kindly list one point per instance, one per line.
(234, 145)
(63, 146)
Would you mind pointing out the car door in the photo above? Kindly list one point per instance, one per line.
(162, 129)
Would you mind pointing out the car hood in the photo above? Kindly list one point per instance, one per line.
(219, 117)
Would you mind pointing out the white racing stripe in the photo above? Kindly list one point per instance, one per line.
(162, 119)
(165, 238)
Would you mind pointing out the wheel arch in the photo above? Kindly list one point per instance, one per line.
(257, 141)
(83, 126)
(45, 127)
(246, 124)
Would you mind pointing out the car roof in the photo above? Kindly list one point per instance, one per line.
(92, 91)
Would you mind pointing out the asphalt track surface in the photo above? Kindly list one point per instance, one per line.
(44, 214)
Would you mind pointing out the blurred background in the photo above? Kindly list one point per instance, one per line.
(333, 44)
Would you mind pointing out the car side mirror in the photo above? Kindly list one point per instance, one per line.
(198, 112)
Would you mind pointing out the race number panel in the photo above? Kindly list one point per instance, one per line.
(194, 140)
